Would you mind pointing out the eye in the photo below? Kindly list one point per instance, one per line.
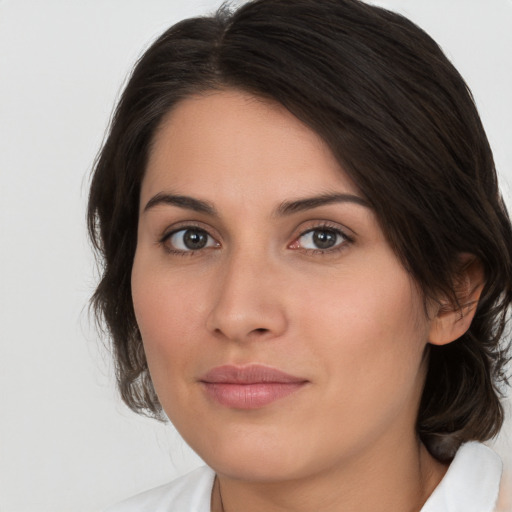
(188, 240)
(321, 239)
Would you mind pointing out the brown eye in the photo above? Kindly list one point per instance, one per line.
(190, 239)
(321, 239)
(324, 239)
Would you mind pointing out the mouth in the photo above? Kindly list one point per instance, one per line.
(249, 387)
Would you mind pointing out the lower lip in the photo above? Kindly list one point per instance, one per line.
(250, 396)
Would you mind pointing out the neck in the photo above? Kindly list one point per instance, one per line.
(400, 480)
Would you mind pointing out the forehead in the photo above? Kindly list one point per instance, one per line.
(229, 141)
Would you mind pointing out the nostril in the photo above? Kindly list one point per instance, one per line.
(260, 330)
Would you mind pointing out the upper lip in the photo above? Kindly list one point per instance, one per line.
(249, 374)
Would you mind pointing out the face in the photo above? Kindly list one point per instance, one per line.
(282, 334)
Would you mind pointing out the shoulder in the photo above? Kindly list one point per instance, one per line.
(471, 483)
(189, 493)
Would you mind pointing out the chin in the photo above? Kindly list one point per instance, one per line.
(257, 467)
(264, 456)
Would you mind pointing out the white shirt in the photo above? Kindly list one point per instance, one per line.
(471, 484)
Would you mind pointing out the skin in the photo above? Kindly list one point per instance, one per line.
(349, 320)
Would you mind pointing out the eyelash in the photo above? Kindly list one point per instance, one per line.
(326, 226)
(177, 252)
(347, 240)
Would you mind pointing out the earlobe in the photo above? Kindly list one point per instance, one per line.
(450, 320)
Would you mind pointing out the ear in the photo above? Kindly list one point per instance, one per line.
(451, 322)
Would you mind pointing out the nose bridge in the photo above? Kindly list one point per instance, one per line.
(248, 300)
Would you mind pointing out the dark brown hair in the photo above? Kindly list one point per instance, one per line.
(402, 123)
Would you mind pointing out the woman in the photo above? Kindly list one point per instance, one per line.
(307, 262)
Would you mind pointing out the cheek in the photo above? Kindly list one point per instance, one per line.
(368, 330)
(167, 309)
(369, 339)
(372, 305)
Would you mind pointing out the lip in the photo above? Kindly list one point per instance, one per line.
(249, 387)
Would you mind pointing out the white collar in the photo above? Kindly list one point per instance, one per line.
(471, 483)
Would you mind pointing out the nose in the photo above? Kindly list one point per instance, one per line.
(249, 300)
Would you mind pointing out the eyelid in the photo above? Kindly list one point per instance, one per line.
(184, 226)
(187, 224)
(323, 225)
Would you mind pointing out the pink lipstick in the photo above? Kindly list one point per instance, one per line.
(249, 387)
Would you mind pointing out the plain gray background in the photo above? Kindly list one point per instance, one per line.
(66, 441)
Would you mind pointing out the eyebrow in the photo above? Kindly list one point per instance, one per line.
(187, 202)
(284, 209)
(299, 205)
